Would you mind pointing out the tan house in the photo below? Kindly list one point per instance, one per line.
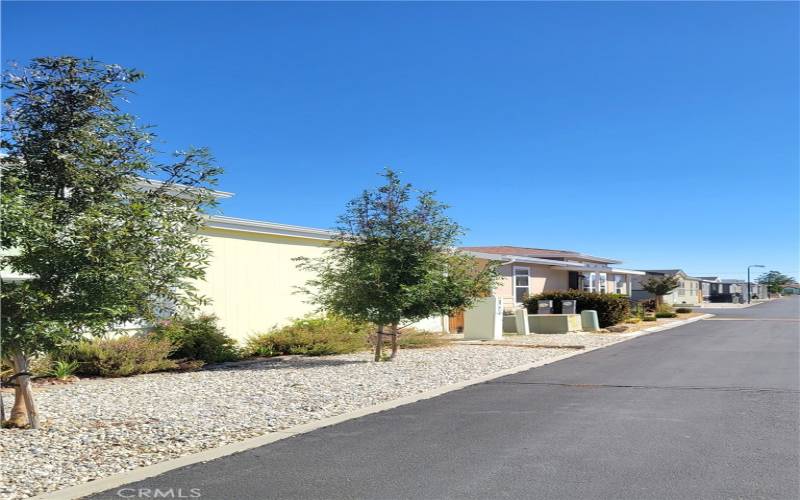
(689, 291)
(252, 280)
(529, 271)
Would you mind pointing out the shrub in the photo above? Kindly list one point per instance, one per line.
(649, 318)
(633, 319)
(611, 308)
(121, 356)
(666, 315)
(198, 339)
(683, 310)
(648, 305)
(63, 370)
(665, 308)
(410, 339)
(312, 337)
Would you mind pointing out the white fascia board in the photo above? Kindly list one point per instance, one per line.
(262, 227)
(595, 269)
(616, 270)
(516, 258)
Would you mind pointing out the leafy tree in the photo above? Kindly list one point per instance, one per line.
(660, 286)
(393, 260)
(90, 242)
(775, 281)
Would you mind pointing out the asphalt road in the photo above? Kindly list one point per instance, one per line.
(708, 410)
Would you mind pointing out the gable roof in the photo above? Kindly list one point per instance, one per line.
(542, 253)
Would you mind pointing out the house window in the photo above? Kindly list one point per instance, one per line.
(522, 288)
(589, 283)
(602, 282)
(619, 281)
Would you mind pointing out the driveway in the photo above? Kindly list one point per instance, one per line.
(707, 410)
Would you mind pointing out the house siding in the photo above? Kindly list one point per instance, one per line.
(251, 279)
(542, 279)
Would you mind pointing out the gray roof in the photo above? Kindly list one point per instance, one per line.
(662, 271)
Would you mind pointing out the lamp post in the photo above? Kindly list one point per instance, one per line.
(748, 281)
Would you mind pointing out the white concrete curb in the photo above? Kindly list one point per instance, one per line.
(138, 474)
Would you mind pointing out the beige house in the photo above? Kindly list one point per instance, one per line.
(529, 271)
(252, 280)
(689, 291)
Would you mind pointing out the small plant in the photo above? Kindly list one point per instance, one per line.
(647, 305)
(63, 369)
(683, 310)
(666, 315)
(664, 308)
(198, 339)
(649, 318)
(633, 319)
(312, 337)
(412, 338)
(121, 356)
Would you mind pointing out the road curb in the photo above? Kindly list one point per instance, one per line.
(141, 473)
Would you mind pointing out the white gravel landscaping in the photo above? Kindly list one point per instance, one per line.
(95, 428)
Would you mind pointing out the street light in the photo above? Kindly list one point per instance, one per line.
(748, 281)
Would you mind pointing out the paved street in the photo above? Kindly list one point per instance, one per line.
(708, 410)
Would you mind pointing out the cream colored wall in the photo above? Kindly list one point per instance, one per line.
(542, 279)
(251, 279)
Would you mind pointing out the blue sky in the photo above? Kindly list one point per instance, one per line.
(662, 134)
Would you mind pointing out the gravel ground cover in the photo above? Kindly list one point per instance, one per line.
(95, 428)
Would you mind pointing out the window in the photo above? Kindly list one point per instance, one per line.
(589, 283)
(601, 285)
(522, 288)
(619, 284)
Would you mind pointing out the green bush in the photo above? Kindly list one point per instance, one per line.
(649, 318)
(683, 310)
(121, 356)
(611, 308)
(312, 337)
(197, 339)
(63, 370)
(666, 315)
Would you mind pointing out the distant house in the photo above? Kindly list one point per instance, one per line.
(709, 285)
(529, 271)
(791, 289)
(716, 289)
(689, 291)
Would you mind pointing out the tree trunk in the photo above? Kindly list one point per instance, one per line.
(395, 333)
(379, 343)
(19, 413)
(24, 387)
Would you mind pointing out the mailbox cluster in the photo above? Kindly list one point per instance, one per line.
(567, 307)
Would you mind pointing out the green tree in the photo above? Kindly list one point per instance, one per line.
(775, 281)
(90, 242)
(393, 259)
(660, 286)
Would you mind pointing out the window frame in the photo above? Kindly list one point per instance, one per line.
(515, 286)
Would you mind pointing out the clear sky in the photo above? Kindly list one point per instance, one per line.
(662, 134)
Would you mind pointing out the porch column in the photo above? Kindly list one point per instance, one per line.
(628, 284)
